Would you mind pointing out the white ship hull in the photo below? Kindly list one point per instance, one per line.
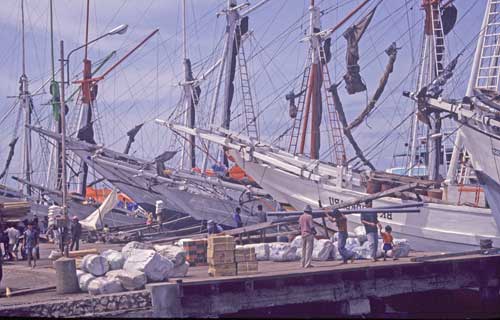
(437, 227)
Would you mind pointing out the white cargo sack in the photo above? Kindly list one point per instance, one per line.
(360, 233)
(351, 243)
(151, 263)
(84, 281)
(364, 252)
(179, 271)
(95, 264)
(401, 247)
(282, 251)
(104, 285)
(322, 249)
(114, 258)
(54, 255)
(297, 242)
(79, 273)
(173, 253)
(130, 280)
(261, 250)
(127, 249)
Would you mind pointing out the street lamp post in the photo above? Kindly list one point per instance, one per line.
(121, 29)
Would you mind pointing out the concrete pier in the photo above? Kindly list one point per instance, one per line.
(351, 288)
(67, 281)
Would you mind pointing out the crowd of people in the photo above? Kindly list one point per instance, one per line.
(369, 220)
(20, 240)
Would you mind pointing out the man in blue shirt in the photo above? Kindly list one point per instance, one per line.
(213, 228)
(237, 218)
(370, 221)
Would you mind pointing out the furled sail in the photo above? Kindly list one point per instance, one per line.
(353, 34)
(347, 132)
(131, 137)
(12, 146)
(240, 31)
(392, 52)
(317, 115)
(161, 159)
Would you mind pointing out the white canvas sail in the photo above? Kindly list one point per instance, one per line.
(93, 221)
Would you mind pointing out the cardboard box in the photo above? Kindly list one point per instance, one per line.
(228, 269)
(220, 257)
(245, 254)
(248, 267)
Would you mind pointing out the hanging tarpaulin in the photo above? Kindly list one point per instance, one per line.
(449, 18)
(353, 34)
(327, 48)
(392, 52)
(12, 146)
(86, 133)
(94, 220)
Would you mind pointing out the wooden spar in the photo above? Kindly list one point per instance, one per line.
(306, 111)
(314, 111)
(119, 61)
(87, 30)
(343, 21)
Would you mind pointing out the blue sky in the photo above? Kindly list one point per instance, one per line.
(145, 85)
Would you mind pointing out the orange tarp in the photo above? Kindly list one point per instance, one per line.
(98, 195)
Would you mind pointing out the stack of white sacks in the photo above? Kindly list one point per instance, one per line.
(137, 264)
(325, 249)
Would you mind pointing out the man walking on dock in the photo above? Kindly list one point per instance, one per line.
(76, 233)
(370, 221)
(30, 244)
(237, 218)
(307, 233)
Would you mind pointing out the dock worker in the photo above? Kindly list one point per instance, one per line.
(237, 217)
(213, 228)
(340, 219)
(30, 244)
(262, 216)
(307, 232)
(76, 233)
(370, 221)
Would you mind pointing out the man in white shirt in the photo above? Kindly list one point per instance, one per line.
(13, 235)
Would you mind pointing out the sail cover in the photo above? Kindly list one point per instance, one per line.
(94, 220)
(353, 34)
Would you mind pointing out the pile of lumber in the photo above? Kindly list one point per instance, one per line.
(220, 256)
(12, 209)
(196, 251)
(246, 261)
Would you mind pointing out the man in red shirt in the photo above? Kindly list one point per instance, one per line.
(307, 233)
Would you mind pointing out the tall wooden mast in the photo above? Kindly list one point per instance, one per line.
(26, 104)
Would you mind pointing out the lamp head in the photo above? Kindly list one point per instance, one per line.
(121, 29)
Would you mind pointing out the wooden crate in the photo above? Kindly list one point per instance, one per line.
(247, 267)
(222, 270)
(220, 257)
(244, 254)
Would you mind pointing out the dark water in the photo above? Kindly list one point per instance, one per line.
(436, 304)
